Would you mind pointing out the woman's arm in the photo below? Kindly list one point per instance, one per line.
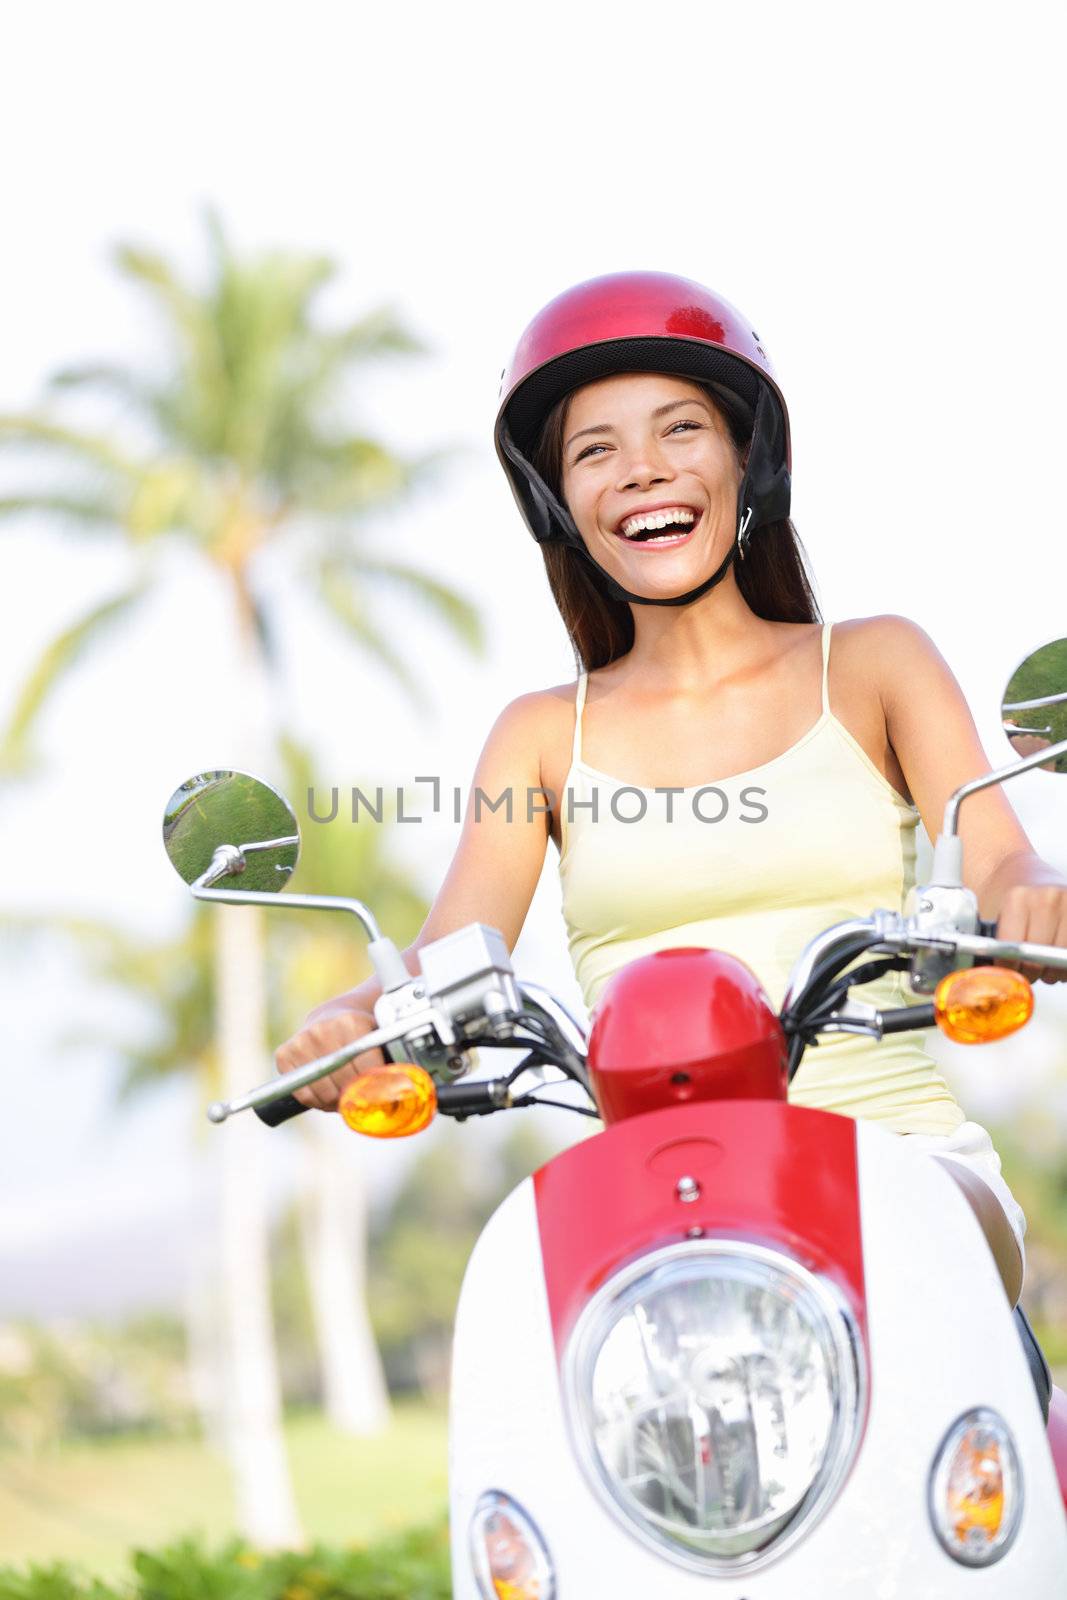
(930, 727)
(492, 879)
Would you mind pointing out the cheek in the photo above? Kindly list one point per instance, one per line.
(721, 472)
(580, 500)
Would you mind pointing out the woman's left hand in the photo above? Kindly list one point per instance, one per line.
(1035, 909)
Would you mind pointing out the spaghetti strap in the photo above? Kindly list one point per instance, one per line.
(579, 706)
(825, 666)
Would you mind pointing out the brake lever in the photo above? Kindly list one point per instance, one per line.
(281, 1087)
(1016, 950)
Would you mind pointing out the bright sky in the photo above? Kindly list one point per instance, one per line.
(873, 186)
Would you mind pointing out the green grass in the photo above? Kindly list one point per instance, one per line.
(229, 809)
(89, 1503)
(1042, 673)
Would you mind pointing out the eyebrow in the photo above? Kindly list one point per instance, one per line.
(660, 411)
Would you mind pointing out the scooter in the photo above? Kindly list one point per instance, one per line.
(727, 1345)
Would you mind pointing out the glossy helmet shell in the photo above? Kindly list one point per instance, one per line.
(684, 1025)
(638, 322)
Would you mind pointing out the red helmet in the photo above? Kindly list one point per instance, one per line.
(642, 322)
(681, 1025)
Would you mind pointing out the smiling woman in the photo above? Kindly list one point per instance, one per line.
(693, 344)
(701, 421)
(646, 441)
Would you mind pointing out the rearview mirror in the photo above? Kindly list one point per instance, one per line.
(232, 810)
(1034, 705)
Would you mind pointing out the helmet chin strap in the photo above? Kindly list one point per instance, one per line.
(611, 587)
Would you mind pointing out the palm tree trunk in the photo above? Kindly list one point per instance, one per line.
(266, 1506)
(333, 1216)
(334, 1208)
(202, 1354)
(334, 1226)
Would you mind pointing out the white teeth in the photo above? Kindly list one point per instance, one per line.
(657, 519)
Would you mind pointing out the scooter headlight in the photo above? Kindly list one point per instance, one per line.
(976, 1489)
(714, 1395)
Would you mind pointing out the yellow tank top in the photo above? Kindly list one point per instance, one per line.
(756, 865)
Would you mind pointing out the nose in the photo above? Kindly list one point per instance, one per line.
(642, 466)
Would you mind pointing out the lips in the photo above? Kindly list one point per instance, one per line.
(659, 539)
(665, 511)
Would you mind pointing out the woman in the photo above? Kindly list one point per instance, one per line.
(772, 787)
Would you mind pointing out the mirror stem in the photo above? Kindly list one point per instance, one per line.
(228, 861)
(947, 868)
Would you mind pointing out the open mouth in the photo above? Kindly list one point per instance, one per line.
(662, 530)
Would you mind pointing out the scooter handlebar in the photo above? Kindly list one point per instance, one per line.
(279, 1111)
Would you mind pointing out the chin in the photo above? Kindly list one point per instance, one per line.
(666, 580)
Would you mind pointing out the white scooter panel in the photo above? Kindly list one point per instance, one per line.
(942, 1341)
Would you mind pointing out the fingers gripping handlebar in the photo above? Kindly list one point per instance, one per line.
(824, 959)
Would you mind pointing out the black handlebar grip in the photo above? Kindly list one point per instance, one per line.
(468, 1099)
(903, 1019)
(280, 1110)
(988, 930)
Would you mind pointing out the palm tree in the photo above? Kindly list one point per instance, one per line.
(172, 983)
(236, 447)
(316, 957)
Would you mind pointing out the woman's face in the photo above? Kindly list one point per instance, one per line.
(651, 475)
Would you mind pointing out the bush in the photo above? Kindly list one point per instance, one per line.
(90, 1379)
(414, 1566)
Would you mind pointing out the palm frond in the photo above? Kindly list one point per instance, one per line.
(22, 925)
(217, 237)
(54, 662)
(155, 273)
(428, 467)
(261, 347)
(314, 957)
(266, 634)
(77, 508)
(173, 491)
(98, 375)
(339, 477)
(172, 981)
(457, 613)
(311, 379)
(26, 429)
(378, 333)
(200, 390)
(343, 600)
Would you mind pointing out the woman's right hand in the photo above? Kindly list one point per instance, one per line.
(492, 879)
(320, 1038)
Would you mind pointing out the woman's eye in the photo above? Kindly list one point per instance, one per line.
(592, 449)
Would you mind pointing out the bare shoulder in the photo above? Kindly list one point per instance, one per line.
(538, 712)
(887, 631)
(932, 737)
(534, 735)
(883, 654)
(536, 726)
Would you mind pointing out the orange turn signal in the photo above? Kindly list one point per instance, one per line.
(975, 1490)
(390, 1102)
(978, 1004)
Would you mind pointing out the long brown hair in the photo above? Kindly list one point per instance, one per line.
(774, 578)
